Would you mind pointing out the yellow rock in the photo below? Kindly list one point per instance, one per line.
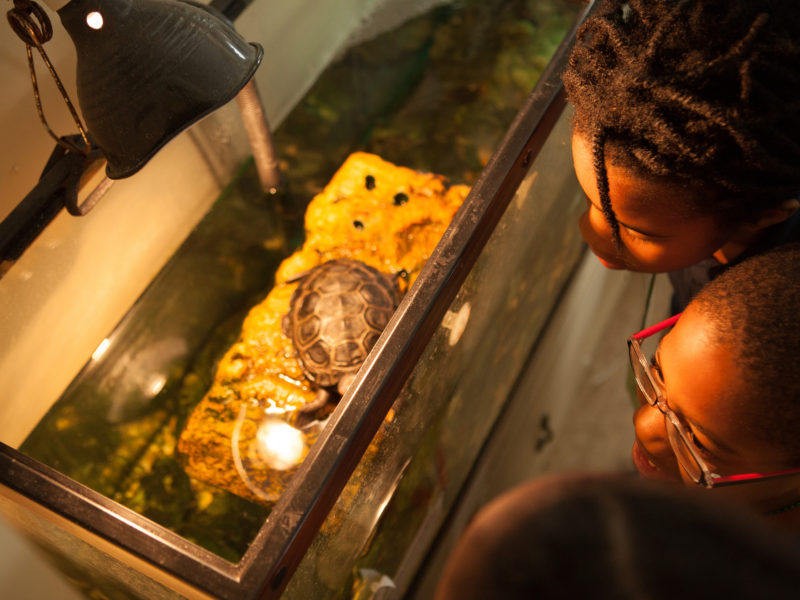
(387, 216)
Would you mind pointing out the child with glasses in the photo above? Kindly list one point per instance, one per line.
(720, 420)
(720, 399)
(686, 133)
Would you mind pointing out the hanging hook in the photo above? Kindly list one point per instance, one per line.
(32, 25)
(23, 25)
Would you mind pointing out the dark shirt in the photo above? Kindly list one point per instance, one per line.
(687, 282)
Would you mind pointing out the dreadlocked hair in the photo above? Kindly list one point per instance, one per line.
(702, 90)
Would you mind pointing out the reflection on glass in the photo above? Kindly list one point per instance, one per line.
(456, 322)
(101, 349)
(276, 445)
(279, 444)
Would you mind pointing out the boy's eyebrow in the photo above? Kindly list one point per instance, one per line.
(692, 422)
(701, 429)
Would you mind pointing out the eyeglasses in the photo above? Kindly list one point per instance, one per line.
(679, 439)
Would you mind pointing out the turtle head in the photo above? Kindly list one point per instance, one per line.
(344, 383)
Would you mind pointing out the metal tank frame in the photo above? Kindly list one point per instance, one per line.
(287, 534)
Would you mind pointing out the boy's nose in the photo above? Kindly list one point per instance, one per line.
(651, 429)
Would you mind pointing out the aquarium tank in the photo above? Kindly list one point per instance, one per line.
(434, 147)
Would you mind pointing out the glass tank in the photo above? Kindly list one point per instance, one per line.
(149, 478)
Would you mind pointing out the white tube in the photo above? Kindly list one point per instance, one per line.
(255, 123)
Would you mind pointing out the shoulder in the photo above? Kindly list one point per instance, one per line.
(690, 280)
(776, 235)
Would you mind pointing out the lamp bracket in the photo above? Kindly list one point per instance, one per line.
(57, 188)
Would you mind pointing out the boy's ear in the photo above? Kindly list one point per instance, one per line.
(775, 215)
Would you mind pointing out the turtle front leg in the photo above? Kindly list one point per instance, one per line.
(344, 383)
(318, 402)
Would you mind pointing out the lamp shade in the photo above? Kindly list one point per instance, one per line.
(147, 69)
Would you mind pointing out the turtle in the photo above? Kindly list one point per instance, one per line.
(336, 315)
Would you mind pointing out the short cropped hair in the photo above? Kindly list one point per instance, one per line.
(753, 308)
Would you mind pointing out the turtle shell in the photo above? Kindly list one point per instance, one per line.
(336, 315)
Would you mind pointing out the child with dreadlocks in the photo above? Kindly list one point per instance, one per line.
(686, 133)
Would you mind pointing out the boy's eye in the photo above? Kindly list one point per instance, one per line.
(697, 443)
(655, 369)
(636, 236)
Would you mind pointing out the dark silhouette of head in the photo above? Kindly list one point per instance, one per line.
(620, 538)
